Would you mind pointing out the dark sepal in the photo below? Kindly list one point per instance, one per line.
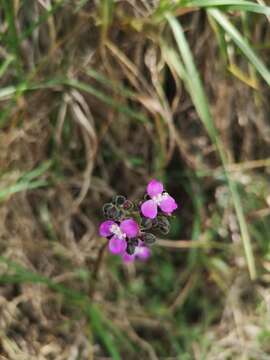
(155, 223)
(163, 225)
(148, 238)
(134, 241)
(130, 248)
(164, 229)
(119, 200)
(106, 208)
(113, 213)
(146, 223)
(146, 197)
(128, 205)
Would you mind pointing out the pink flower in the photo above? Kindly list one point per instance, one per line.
(118, 234)
(159, 198)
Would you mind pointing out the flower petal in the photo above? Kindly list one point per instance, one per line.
(149, 209)
(104, 228)
(128, 258)
(117, 246)
(168, 204)
(154, 188)
(129, 227)
(142, 252)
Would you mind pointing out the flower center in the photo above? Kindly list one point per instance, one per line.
(158, 198)
(115, 229)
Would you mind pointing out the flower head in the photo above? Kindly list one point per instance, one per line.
(159, 199)
(124, 241)
(130, 238)
(118, 234)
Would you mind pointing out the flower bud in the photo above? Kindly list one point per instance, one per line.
(134, 241)
(164, 229)
(113, 213)
(146, 223)
(130, 248)
(163, 225)
(148, 238)
(118, 215)
(155, 223)
(119, 200)
(106, 208)
(128, 205)
(162, 220)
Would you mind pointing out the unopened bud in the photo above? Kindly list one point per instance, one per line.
(128, 205)
(119, 200)
(148, 238)
(131, 248)
(146, 223)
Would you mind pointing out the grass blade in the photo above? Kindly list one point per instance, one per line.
(98, 325)
(42, 18)
(236, 5)
(106, 99)
(27, 181)
(12, 36)
(21, 186)
(38, 171)
(188, 71)
(243, 45)
(5, 65)
(8, 91)
(192, 78)
(124, 91)
(106, 14)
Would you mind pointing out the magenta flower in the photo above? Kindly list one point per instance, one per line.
(131, 239)
(118, 234)
(142, 252)
(159, 198)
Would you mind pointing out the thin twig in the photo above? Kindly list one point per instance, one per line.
(96, 271)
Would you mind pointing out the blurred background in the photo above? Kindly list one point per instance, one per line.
(96, 99)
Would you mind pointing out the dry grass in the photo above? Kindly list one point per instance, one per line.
(91, 108)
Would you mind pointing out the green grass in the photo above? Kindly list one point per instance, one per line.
(187, 70)
(27, 181)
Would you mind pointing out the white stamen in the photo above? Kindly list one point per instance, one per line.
(158, 198)
(115, 229)
(139, 250)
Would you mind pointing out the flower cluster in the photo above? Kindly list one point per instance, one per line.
(128, 223)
